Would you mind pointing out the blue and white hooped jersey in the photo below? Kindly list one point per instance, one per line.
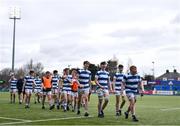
(67, 83)
(84, 77)
(132, 82)
(29, 82)
(55, 81)
(118, 80)
(38, 82)
(103, 78)
(13, 84)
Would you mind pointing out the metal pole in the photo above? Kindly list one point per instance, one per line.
(13, 53)
(153, 70)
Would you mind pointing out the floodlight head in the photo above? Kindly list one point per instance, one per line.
(15, 13)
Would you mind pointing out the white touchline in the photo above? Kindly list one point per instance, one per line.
(169, 109)
(31, 121)
(60, 118)
(13, 119)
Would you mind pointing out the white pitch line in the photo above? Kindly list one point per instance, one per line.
(13, 119)
(61, 118)
(169, 109)
(43, 120)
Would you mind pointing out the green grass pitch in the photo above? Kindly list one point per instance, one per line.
(151, 110)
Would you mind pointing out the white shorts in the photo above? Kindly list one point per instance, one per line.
(37, 91)
(118, 93)
(28, 91)
(74, 94)
(13, 90)
(67, 92)
(83, 91)
(55, 91)
(102, 92)
(131, 96)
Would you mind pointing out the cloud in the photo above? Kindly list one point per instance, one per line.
(176, 20)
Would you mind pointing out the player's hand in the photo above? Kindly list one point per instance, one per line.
(111, 91)
(142, 91)
(101, 87)
(114, 91)
(81, 86)
(90, 91)
(121, 92)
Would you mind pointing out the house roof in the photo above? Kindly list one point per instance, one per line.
(169, 75)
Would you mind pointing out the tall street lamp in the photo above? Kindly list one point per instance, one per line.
(15, 15)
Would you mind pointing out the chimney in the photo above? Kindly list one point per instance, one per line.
(175, 71)
(167, 71)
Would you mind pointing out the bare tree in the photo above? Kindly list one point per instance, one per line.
(112, 67)
(4, 76)
(20, 72)
(37, 67)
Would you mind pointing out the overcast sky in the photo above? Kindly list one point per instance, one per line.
(59, 33)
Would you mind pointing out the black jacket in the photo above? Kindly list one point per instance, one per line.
(20, 83)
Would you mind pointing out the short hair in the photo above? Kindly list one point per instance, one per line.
(74, 70)
(103, 63)
(86, 62)
(47, 72)
(55, 71)
(31, 71)
(120, 66)
(66, 69)
(131, 67)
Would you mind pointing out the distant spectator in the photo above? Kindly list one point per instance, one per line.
(20, 83)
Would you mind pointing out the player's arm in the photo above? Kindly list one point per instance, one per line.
(97, 82)
(51, 82)
(9, 80)
(109, 84)
(141, 86)
(113, 83)
(24, 84)
(90, 84)
(71, 82)
(123, 84)
(42, 84)
(34, 83)
(79, 85)
(61, 83)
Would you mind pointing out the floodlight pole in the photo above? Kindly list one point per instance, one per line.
(153, 70)
(13, 52)
(14, 17)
